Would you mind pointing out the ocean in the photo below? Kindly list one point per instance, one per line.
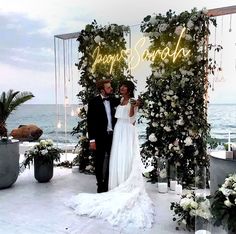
(222, 118)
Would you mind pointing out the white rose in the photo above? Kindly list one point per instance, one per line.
(167, 128)
(97, 39)
(204, 11)
(199, 58)
(163, 173)
(44, 152)
(163, 27)
(180, 122)
(190, 24)
(154, 124)
(188, 141)
(152, 138)
(178, 30)
(188, 37)
(194, 204)
(153, 20)
(184, 222)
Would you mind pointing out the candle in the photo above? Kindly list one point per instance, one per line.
(229, 142)
(178, 189)
(162, 187)
(75, 169)
(173, 183)
(202, 232)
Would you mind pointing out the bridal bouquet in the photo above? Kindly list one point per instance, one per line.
(190, 207)
(223, 206)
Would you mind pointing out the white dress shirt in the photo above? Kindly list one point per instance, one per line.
(108, 112)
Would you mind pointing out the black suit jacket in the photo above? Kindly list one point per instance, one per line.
(97, 118)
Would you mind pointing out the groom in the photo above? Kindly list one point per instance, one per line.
(101, 121)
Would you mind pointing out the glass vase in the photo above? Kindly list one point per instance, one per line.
(162, 175)
(200, 180)
(172, 176)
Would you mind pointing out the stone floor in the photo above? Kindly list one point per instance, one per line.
(29, 207)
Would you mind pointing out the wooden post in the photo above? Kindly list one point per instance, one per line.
(222, 11)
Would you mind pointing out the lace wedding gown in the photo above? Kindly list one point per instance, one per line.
(127, 202)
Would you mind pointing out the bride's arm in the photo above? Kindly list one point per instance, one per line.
(133, 108)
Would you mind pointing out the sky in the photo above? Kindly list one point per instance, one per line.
(27, 41)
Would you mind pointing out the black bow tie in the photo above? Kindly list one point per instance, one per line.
(106, 99)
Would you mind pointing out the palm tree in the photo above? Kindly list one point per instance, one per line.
(8, 103)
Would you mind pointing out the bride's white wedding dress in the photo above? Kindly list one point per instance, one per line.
(127, 202)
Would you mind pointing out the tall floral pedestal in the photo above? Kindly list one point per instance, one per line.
(43, 171)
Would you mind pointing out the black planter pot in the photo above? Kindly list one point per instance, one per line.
(43, 171)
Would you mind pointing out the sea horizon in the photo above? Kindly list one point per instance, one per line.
(221, 117)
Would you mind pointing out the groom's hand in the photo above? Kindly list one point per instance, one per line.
(92, 145)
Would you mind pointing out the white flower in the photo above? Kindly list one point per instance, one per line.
(157, 74)
(194, 204)
(154, 124)
(192, 212)
(98, 39)
(228, 203)
(178, 30)
(188, 141)
(204, 11)
(89, 167)
(148, 169)
(153, 20)
(184, 222)
(188, 37)
(190, 24)
(152, 138)
(167, 128)
(43, 143)
(163, 173)
(162, 27)
(44, 152)
(180, 121)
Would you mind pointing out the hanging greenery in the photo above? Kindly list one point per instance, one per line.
(175, 103)
(98, 45)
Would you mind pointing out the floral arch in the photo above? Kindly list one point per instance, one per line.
(174, 101)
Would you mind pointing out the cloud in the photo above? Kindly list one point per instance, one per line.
(22, 45)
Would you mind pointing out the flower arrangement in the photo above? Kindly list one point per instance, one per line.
(223, 206)
(189, 208)
(110, 39)
(45, 150)
(174, 103)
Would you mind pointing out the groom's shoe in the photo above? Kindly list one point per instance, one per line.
(100, 188)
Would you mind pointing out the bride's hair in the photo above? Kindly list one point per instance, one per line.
(130, 86)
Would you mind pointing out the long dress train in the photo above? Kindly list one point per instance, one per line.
(127, 202)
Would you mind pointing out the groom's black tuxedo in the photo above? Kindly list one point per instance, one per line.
(97, 130)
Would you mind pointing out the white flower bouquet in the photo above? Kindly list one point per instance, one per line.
(43, 149)
(190, 207)
(223, 206)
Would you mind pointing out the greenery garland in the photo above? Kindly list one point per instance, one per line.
(174, 103)
(111, 40)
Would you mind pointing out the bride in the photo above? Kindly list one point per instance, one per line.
(127, 202)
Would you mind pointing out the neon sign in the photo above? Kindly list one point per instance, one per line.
(135, 54)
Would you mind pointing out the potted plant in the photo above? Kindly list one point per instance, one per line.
(192, 212)
(223, 207)
(9, 148)
(42, 156)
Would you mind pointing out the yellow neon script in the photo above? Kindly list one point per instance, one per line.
(135, 56)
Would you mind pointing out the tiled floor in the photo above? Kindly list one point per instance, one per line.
(29, 207)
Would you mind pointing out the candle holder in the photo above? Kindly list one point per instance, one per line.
(201, 181)
(162, 175)
(172, 176)
(179, 186)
